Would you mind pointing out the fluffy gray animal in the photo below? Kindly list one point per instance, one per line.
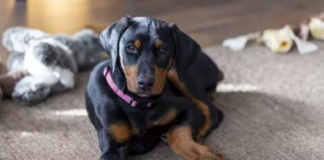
(51, 60)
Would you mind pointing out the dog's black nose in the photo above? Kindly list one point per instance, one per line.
(145, 83)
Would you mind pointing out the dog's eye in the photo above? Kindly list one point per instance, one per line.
(131, 48)
(162, 50)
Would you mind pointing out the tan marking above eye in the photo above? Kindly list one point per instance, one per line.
(158, 44)
(137, 44)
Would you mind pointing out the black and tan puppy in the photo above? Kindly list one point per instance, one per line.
(157, 82)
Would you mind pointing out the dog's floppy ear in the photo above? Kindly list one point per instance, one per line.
(186, 50)
(109, 38)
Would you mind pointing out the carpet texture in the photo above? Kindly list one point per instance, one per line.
(273, 105)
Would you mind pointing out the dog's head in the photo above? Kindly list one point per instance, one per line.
(145, 48)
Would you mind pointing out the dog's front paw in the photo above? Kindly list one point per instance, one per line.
(29, 94)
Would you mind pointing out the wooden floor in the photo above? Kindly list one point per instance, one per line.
(207, 21)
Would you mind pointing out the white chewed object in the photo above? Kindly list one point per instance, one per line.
(279, 41)
(316, 27)
(236, 43)
(303, 46)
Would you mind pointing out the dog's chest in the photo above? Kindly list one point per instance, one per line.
(144, 121)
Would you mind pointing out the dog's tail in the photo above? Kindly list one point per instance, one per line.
(97, 27)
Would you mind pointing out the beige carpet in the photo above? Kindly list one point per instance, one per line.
(273, 105)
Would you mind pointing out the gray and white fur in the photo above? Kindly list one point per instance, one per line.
(51, 60)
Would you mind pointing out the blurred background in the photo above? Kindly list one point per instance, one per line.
(207, 21)
(273, 104)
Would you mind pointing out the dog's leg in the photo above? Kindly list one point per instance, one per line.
(204, 107)
(113, 134)
(113, 137)
(113, 142)
(31, 90)
(181, 141)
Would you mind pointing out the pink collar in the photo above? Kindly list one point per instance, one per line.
(120, 93)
